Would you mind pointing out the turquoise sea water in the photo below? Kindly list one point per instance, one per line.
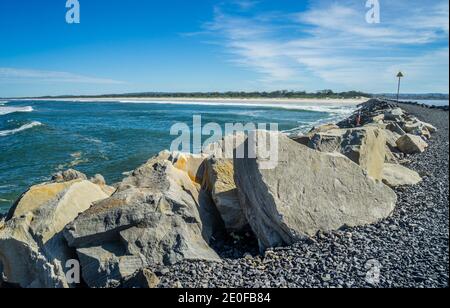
(38, 138)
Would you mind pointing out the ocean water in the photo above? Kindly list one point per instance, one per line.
(433, 102)
(39, 138)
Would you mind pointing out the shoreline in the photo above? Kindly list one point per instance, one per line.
(187, 100)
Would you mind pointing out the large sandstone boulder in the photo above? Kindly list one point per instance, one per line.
(329, 141)
(68, 175)
(301, 139)
(395, 175)
(228, 147)
(192, 164)
(416, 125)
(378, 118)
(395, 114)
(410, 127)
(391, 145)
(105, 266)
(326, 132)
(307, 192)
(411, 144)
(431, 128)
(33, 252)
(158, 216)
(219, 181)
(391, 139)
(99, 180)
(391, 157)
(417, 128)
(366, 146)
(395, 127)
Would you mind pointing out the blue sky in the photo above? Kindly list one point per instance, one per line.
(206, 45)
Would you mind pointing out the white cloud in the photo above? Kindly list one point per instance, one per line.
(334, 44)
(8, 75)
(408, 26)
(245, 4)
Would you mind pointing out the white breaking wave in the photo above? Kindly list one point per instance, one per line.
(305, 127)
(4, 133)
(326, 108)
(2, 103)
(7, 110)
(336, 112)
(338, 108)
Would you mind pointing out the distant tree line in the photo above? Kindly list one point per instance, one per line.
(272, 94)
(264, 94)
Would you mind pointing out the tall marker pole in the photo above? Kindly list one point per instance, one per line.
(400, 76)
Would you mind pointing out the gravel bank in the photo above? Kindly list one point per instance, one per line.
(410, 249)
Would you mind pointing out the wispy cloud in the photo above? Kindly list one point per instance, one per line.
(246, 4)
(14, 75)
(332, 42)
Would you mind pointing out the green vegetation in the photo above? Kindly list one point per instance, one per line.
(273, 94)
(256, 95)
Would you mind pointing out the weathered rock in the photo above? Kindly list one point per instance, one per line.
(228, 147)
(423, 132)
(68, 175)
(391, 139)
(158, 215)
(323, 128)
(143, 279)
(378, 118)
(391, 157)
(394, 115)
(366, 146)
(397, 112)
(367, 112)
(397, 175)
(409, 127)
(327, 131)
(417, 126)
(431, 128)
(302, 139)
(192, 164)
(106, 266)
(411, 144)
(219, 181)
(307, 192)
(327, 142)
(380, 125)
(99, 180)
(394, 127)
(33, 252)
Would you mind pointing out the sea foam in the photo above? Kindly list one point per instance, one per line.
(325, 108)
(5, 133)
(7, 110)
